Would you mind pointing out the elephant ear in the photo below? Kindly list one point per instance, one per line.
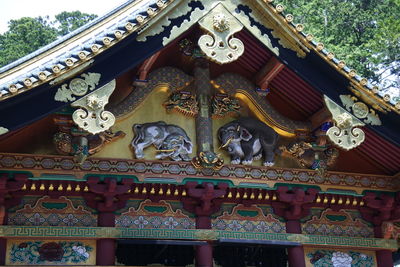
(245, 134)
(187, 145)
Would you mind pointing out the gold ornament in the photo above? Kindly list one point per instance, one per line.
(220, 46)
(344, 134)
(91, 116)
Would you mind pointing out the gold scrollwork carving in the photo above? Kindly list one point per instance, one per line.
(91, 116)
(78, 87)
(343, 133)
(231, 6)
(298, 238)
(206, 235)
(360, 110)
(221, 47)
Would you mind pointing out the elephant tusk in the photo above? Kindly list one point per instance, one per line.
(227, 143)
(166, 150)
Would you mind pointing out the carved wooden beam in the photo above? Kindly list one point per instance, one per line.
(109, 190)
(294, 204)
(201, 200)
(380, 208)
(146, 66)
(268, 73)
(8, 186)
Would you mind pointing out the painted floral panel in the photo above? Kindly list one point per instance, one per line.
(46, 252)
(328, 258)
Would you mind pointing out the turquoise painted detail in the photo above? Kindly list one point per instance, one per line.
(57, 206)
(214, 181)
(160, 209)
(118, 177)
(254, 185)
(247, 213)
(291, 186)
(336, 218)
(342, 192)
(61, 177)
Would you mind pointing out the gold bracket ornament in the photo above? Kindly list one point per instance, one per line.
(344, 134)
(221, 47)
(93, 118)
(78, 87)
(360, 110)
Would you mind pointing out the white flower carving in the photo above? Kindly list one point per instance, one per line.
(171, 223)
(235, 225)
(141, 222)
(341, 259)
(81, 251)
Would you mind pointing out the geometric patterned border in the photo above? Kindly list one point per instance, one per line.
(191, 234)
(38, 165)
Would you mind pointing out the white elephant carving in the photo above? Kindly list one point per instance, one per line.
(171, 141)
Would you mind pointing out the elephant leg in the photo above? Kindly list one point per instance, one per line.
(269, 156)
(235, 159)
(248, 154)
(258, 156)
(140, 147)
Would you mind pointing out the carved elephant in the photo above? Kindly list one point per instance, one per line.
(248, 139)
(171, 141)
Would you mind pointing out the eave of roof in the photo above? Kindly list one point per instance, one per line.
(139, 16)
(17, 77)
(73, 50)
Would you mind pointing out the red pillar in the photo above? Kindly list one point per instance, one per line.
(384, 258)
(7, 187)
(295, 254)
(204, 256)
(3, 251)
(377, 210)
(105, 252)
(204, 253)
(201, 202)
(293, 205)
(110, 192)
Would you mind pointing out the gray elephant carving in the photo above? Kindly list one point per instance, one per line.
(171, 141)
(248, 139)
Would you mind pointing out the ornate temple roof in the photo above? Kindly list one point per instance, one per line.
(131, 33)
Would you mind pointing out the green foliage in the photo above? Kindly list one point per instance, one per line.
(70, 21)
(363, 33)
(26, 35)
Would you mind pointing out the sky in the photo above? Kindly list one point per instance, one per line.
(15, 9)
